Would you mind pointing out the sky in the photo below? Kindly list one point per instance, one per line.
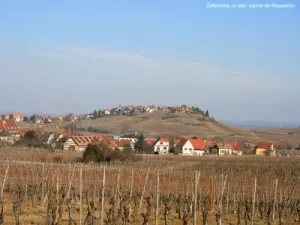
(67, 56)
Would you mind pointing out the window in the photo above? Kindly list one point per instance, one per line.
(190, 149)
(185, 148)
(165, 148)
(157, 148)
(161, 143)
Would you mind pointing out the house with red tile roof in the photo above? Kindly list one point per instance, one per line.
(236, 147)
(123, 143)
(264, 148)
(190, 146)
(79, 143)
(222, 148)
(9, 126)
(18, 117)
(162, 146)
(149, 142)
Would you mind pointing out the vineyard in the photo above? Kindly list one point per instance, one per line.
(205, 190)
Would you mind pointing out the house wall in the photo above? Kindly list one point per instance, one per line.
(162, 147)
(260, 151)
(224, 151)
(69, 144)
(188, 148)
(199, 152)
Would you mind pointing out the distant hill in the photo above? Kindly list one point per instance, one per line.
(166, 124)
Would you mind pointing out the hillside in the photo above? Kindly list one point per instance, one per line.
(168, 124)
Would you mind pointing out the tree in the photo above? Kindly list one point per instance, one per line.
(99, 113)
(95, 114)
(171, 145)
(3, 117)
(26, 119)
(195, 137)
(171, 109)
(11, 116)
(32, 118)
(94, 153)
(29, 138)
(206, 113)
(139, 144)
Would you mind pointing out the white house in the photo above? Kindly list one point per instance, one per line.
(107, 112)
(162, 146)
(224, 149)
(195, 147)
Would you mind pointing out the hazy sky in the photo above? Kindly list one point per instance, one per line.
(76, 56)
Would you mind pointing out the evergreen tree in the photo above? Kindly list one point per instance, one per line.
(206, 113)
(140, 144)
(95, 114)
(99, 113)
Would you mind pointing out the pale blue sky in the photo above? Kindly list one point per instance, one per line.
(76, 56)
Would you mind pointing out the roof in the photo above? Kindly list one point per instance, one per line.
(224, 145)
(124, 143)
(8, 125)
(176, 141)
(234, 145)
(86, 140)
(15, 114)
(264, 145)
(149, 142)
(198, 144)
(181, 142)
(163, 139)
(209, 143)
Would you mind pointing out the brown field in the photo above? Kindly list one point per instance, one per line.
(224, 188)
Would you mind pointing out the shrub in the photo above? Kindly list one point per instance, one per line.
(94, 153)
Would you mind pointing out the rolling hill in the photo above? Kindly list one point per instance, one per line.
(166, 124)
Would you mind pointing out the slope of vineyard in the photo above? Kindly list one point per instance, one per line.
(163, 123)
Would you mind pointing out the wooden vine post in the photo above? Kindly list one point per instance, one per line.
(157, 200)
(80, 195)
(144, 189)
(275, 199)
(131, 189)
(195, 198)
(253, 201)
(102, 198)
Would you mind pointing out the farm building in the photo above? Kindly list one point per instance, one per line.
(79, 143)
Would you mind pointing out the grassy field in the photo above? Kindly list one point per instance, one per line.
(212, 187)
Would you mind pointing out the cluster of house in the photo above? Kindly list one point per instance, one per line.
(130, 110)
(10, 132)
(163, 145)
(19, 117)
